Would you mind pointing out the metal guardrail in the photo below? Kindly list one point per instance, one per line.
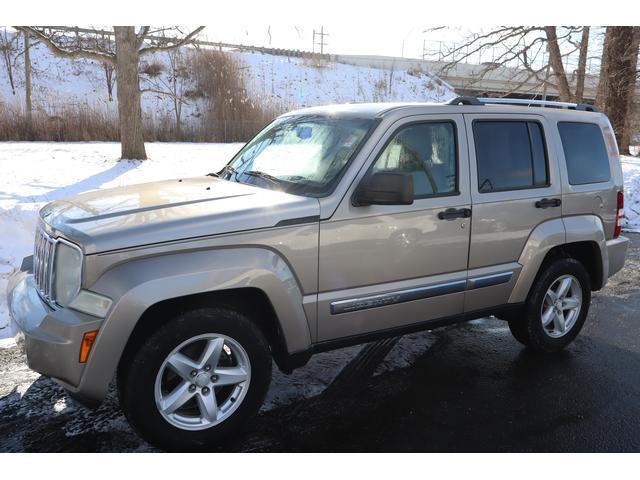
(206, 43)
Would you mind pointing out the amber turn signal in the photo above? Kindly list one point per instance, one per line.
(87, 343)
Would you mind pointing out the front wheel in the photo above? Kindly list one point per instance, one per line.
(196, 380)
(556, 308)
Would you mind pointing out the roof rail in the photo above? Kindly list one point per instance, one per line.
(517, 101)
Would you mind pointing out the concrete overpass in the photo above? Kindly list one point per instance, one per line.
(464, 78)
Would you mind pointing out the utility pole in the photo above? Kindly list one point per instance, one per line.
(320, 42)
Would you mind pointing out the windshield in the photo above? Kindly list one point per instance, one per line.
(302, 154)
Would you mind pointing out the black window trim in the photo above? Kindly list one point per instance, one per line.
(565, 155)
(412, 123)
(544, 144)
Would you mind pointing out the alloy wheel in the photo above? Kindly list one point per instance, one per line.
(561, 306)
(202, 381)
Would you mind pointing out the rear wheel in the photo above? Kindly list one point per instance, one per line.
(196, 380)
(556, 308)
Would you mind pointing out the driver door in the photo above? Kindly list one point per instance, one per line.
(388, 266)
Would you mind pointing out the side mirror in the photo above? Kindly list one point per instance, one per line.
(385, 188)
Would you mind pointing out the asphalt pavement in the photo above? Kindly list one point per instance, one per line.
(469, 388)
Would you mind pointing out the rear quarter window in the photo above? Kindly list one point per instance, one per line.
(585, 153)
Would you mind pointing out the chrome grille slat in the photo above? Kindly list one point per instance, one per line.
(39, 240)
(43, 254)
(45, 267)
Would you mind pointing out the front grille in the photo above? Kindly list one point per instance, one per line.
(43, 253)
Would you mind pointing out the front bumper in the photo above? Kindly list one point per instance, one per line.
(52, 338)
(617, 252)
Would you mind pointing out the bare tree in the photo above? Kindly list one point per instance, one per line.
(582, 63)
(618, 75)
(27, 83)
(537, 54)
(173, 84)
(8, 45)
(130, 47)
(109, 71)
(555, 60)
(106, 43)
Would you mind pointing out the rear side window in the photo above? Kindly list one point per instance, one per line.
(510, 155)
(585, 153)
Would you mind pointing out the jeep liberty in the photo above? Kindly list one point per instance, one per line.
(334, 226)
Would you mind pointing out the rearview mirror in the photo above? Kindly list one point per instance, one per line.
(385, 188)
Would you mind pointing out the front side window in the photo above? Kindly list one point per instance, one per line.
(300, 154)
(426, 151)
(510, 155)
(585, 153)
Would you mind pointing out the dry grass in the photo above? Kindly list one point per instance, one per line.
(231, 114)
(80, 123)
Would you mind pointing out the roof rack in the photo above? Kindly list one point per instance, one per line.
(517, 101)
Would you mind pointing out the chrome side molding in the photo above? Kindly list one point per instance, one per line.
(399, 296)
(419, 293)
(488, 280)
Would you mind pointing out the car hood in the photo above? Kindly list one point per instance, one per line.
(169, 210)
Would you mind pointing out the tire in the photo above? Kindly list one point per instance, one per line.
(530, 329)
(147, 383)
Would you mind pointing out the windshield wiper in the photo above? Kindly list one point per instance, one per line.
(264, 176)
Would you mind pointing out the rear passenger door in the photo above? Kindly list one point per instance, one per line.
(515, 186)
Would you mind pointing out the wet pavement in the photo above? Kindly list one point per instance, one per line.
(467, 388)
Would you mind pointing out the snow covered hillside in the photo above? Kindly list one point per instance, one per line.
(290, 81)
(305, 83)
(36, 173)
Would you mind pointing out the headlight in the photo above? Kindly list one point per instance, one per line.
(67, 274)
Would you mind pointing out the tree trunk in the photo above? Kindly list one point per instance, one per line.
(618, 78)
(604, 68)
(128, 94)
(7, 50)
(27, 85)
(625, 141)
(108, 75)
(555, 59)
(582, 64)
(177, 107)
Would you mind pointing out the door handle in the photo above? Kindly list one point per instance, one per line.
(453, 213)
(548, 202)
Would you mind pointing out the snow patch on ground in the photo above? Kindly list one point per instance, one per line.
(9, 342)
(631, 174)
(35, 173)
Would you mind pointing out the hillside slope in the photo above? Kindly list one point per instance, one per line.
(289, 81)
